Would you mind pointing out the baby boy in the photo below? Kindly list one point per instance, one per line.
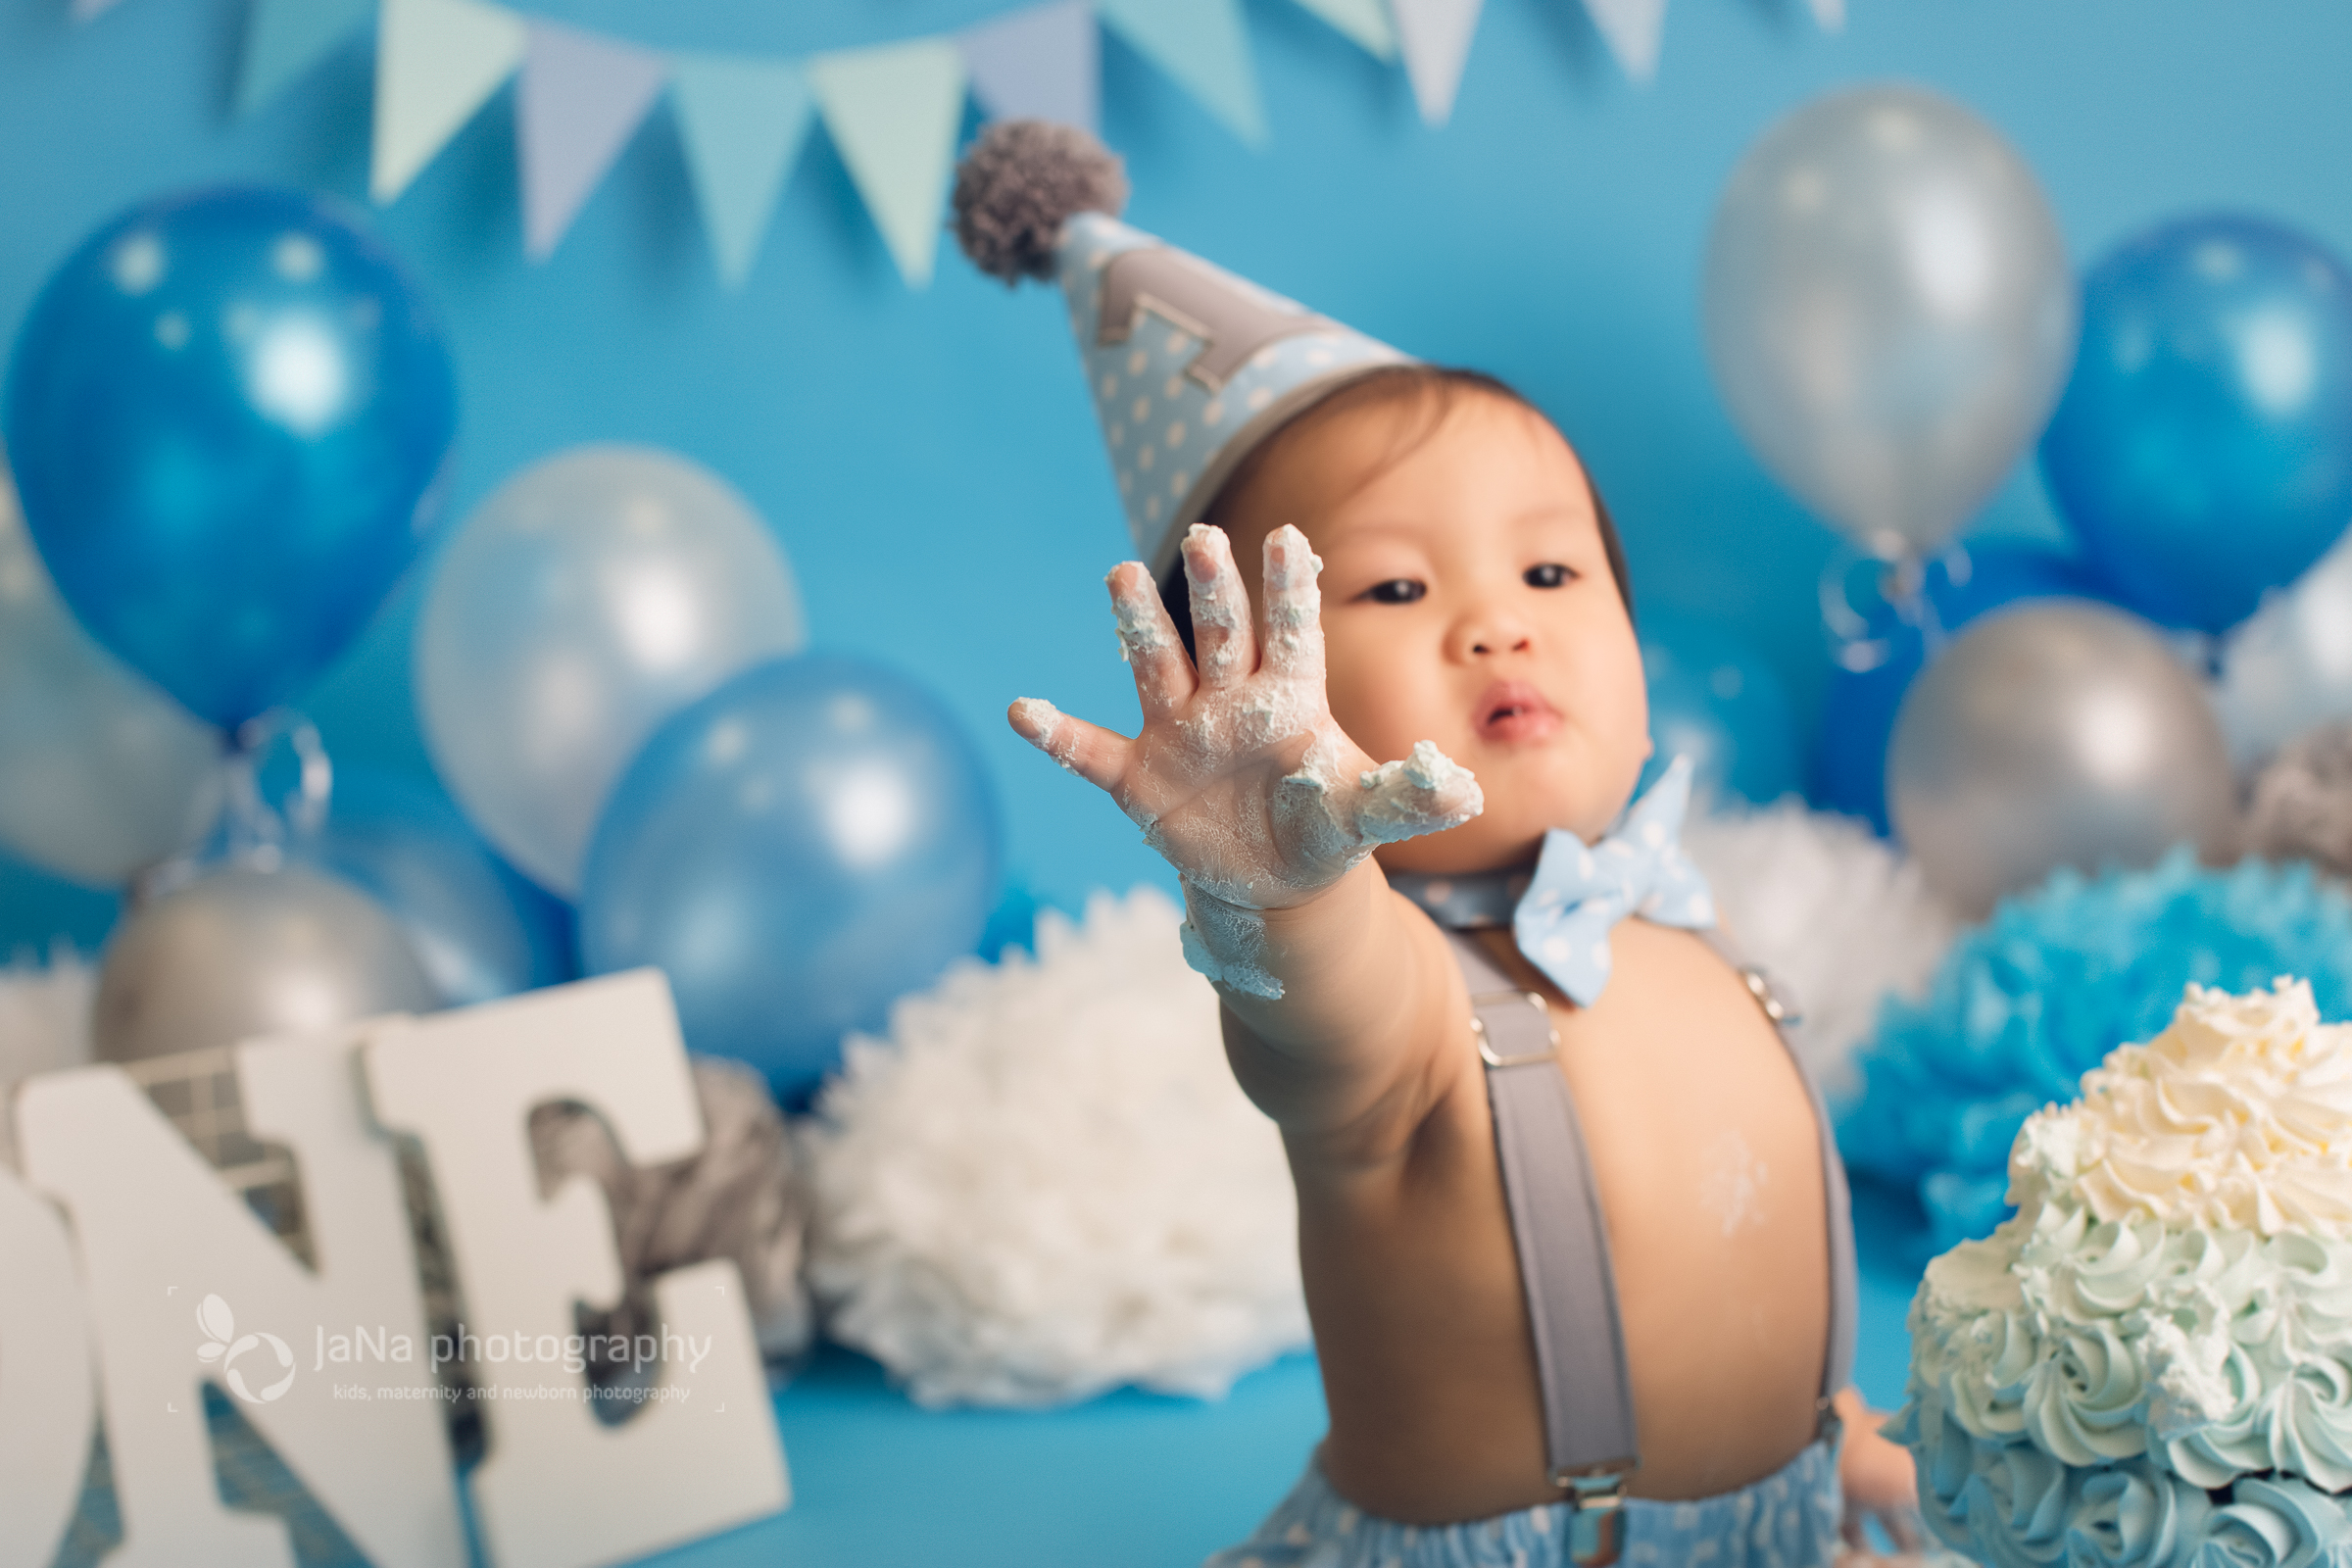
(1592, 1325)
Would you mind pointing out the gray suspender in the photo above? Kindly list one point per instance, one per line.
(1556, 1223)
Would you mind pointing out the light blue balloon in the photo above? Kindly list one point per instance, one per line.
(592, 596)
(1712, 699)
(810, 841)
(2203, 451)
(228, 412)
(480, 929)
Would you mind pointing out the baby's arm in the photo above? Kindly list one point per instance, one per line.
(1242, 779)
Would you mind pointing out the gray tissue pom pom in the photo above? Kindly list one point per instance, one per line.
(1021, 183)
(2302, 808)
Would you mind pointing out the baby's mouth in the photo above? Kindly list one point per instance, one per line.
(1514, 710)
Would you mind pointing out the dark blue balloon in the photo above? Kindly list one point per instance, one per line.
(481, 929)
(1858, 710)
(813, 840)
(2203, 451)
(1713, 700)
(229, 414)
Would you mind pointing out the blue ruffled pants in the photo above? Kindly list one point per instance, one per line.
(1789, 1519)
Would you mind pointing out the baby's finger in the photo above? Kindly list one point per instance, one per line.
(1294, 606)
(1163, 677)
(1095, 755)
(1427, 791)
(1221, 633)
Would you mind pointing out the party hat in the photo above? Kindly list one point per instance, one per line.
(1190, 366)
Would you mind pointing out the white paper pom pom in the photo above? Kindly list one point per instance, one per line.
(1830, 910)
(1047, 1184)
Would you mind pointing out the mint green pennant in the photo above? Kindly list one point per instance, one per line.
(436, 61)
(893, 112)
(1364, 20)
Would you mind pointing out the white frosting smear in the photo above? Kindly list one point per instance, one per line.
(2238, 1116)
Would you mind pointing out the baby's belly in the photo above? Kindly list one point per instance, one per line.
(1707, 1158)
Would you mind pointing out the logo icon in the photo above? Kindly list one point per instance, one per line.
(223, 1346)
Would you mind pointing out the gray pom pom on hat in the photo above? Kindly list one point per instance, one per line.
(1021, 181)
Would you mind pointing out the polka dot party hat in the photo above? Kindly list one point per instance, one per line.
(1190, 366)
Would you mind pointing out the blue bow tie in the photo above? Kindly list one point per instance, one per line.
(1561, 915)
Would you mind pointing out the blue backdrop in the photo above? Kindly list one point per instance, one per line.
(930, 461)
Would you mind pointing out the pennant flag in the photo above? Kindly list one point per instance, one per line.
(743, 122)
(1202, 45)
(893, 112)
(436, 61)
(1435, 35)
(1045, 62)
(582, 97)
(1830, 15)
(285, 38)
(1632, 30)
(1367, 23)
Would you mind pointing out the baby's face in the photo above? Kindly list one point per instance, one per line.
(1467, 600)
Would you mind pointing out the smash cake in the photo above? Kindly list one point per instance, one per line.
(2151, 1364)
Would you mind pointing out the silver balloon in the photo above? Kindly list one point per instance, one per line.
(242, 953)
(2061, 732)
(587, 600)
(101, 774)
(1889, 311)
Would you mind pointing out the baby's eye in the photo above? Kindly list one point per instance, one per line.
(1549, 575)
(1395, 591)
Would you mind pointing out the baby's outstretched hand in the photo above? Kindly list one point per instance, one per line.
(1241, 777)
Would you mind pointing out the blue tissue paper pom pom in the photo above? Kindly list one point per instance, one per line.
(2027, 1003)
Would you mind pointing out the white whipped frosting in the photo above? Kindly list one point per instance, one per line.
(2238, 1116)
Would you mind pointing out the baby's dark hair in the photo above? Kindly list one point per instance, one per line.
(1432, 390)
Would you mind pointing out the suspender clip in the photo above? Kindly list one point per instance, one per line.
(1596, 1514)
(1776, 1006)
(1511, 1028)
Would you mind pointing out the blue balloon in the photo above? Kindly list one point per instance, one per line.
(229, 414)
(813, 840)
(480, 928)
(2203, 451)
(1858, 711)
(1712, 699)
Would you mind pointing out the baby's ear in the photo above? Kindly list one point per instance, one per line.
(1649, 747)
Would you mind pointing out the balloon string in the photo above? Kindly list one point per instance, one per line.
(258, 827)
(1851, 644)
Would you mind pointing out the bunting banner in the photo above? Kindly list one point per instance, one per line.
(286, 39)
(743, 122)
(892, 110)
(1202, 45)
(1435, 36)
(1367, 21)
(436, 61)
(1632, 31)
(580, 101)
(1044, 64)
